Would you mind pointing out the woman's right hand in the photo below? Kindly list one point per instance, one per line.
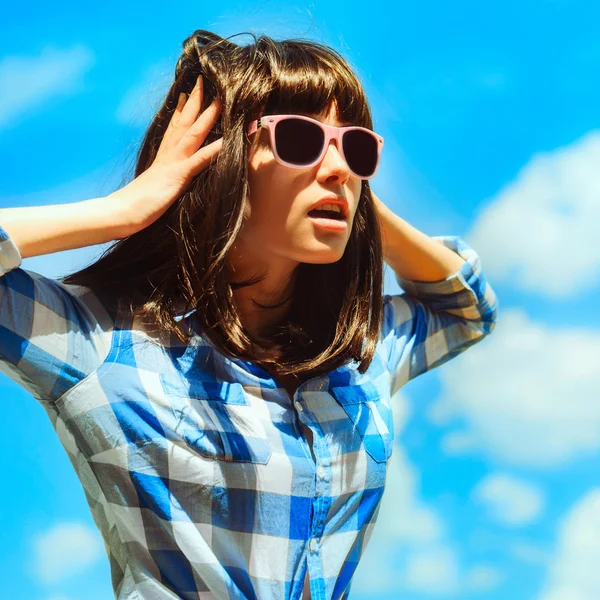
(178, 161)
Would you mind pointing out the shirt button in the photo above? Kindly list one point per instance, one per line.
(313, 544)
(298, 406)
(321, 472)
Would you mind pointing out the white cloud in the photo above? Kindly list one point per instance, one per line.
(528, 552)
(28, 82)
(483, 578)
(64, 550)
(538, 233)
(574, 573)
(510, 501)
(433, 571)
(492, 541)
(407, 520)
(404, 524)
(529, 394)
(458, 442)
(410, 548)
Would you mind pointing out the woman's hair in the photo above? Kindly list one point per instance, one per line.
(336, 310)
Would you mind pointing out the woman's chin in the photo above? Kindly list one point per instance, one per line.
(322, 256)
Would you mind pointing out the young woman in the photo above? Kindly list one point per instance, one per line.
(221, 377)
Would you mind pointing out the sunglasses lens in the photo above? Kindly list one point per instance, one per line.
(298, 142)
(360, 150)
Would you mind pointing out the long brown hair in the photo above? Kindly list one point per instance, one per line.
(337, 309)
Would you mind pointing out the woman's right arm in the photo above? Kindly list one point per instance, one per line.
(37, 230)
(180, 158)
(52, 335)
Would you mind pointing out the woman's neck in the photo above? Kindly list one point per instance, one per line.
(256, 319)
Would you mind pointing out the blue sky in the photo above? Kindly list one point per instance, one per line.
(491, 125)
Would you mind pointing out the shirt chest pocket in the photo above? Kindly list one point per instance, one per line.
(217, 421)
(371, 416)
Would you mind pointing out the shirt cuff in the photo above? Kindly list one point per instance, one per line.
(10, 257)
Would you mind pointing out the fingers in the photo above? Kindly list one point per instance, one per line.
(206, 119)
(180, 102)
(185, 113)
(200, 159)
(174, 131)
(196, 134)
(186, 130)
(192, 106)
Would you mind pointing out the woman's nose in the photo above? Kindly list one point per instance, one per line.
(333, 158)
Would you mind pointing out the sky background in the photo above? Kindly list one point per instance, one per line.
(491, 123)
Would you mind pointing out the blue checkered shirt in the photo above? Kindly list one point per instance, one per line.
(195, 466)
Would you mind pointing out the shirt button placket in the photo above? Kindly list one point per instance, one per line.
(313, 543)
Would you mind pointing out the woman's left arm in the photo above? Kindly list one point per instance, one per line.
(411, 253)
(447, 304)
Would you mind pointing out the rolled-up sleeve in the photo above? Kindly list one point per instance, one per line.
(432, 322)
(52, 335)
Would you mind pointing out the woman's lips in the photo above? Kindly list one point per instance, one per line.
(331, 224)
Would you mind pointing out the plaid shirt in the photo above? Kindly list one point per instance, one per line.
(195, 466)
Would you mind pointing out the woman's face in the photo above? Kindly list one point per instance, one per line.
(276, 224)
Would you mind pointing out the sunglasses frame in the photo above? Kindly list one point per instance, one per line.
(331, 133)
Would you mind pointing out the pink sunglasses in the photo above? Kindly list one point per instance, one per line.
(301, 142)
